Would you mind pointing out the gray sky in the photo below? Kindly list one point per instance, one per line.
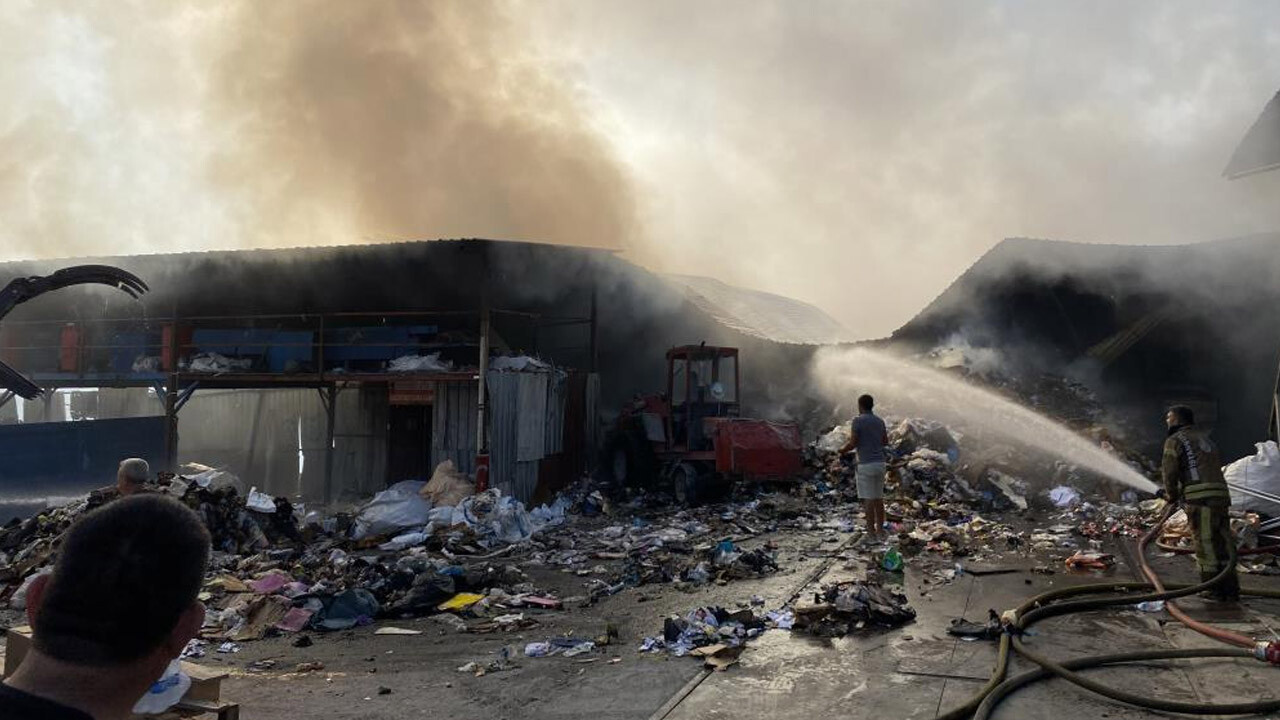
(856, 155)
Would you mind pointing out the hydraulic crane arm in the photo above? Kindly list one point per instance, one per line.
(23, 289)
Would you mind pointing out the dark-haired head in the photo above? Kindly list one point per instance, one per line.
(866, 403)
(1180, 415)
(125, 584)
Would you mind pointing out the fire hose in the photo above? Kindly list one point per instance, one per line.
(1048, 604)
(1273, 549)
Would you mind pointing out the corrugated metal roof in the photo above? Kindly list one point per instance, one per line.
(1259, 150)
(294, 249)
(761, 314)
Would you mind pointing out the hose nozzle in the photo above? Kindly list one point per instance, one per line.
(1009, 618)
(1268, 652)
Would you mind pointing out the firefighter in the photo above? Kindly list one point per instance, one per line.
(1192, 474)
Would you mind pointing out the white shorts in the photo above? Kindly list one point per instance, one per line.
(870, 480)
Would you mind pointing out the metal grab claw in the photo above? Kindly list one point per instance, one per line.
(23, 289)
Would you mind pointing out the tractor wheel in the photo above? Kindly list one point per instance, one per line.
(687, 484)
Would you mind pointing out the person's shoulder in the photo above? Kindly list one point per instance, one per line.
(18, 705)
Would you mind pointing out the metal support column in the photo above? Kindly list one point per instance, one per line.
(171, 400)
(171, 424)
(329, 396)
(594, 360)
(1273, 421)
(482, 427)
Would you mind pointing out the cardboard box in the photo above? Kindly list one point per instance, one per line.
(206, 683)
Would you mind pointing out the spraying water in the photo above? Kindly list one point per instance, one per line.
(904, 387)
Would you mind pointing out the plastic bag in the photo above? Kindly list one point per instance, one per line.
(834, 440)
(510, 522)
(165, 692)
(19, 599)
(1261, 472)
(260, 502)
(1064, 496)
(448, 486)
(548, 515)
(347, 609)
(396, 508)
(407, 540)
(210, 478)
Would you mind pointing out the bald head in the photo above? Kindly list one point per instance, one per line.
(132, 475)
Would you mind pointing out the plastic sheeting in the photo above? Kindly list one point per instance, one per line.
(396, 508)
(1261, 472)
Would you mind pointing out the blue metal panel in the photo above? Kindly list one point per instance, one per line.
(384, 343)
(128, 345)
(73, 457)
(277, 348)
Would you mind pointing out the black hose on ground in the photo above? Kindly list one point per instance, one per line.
(1008, 686)
(1044, 606)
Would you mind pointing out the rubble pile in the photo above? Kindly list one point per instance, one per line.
(712, 633)
(842, 608)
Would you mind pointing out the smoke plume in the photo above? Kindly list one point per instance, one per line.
(852, 154)
(155, 126)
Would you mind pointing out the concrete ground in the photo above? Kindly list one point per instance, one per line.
(916, 671)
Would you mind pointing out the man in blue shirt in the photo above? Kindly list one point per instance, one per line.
(869, 437)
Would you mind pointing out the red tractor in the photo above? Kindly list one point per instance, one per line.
(693, 436)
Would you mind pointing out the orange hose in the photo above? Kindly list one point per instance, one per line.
(1217, 633)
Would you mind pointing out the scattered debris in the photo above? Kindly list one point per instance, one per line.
(1082, 560)
(396, 631)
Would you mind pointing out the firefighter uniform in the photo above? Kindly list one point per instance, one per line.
(1192, 473)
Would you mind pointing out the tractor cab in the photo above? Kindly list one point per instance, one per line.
(702, 382)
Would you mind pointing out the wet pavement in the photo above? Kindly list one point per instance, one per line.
(919, 672)
(916, 671)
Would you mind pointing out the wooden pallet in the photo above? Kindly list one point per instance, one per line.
(204, 697)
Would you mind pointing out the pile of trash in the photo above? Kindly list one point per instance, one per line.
(687, 547)
(718, 636)
(843, 608)
(419, 363)
(28, 545)
(711, 633)
(329, 589)
(212, 362)
(277, 568)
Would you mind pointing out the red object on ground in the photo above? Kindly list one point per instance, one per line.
(482, 473)
(758, 448)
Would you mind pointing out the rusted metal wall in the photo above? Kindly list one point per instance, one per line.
(257, 434)
(359, 444)
(453, 425)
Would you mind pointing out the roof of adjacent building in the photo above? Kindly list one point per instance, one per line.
(762, 314)
(1259, 151)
